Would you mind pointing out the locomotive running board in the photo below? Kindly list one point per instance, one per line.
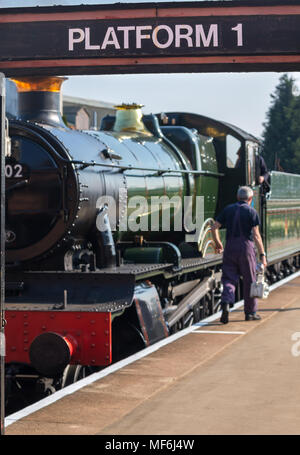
(69, 291)
(105, 290)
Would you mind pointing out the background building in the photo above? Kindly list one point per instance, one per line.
(83, 114)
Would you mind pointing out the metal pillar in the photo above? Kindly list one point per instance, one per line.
(2, 251)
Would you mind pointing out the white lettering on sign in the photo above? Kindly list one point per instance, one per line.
(161, 36)
(239, 31)
(206, 40)
(155, 39)
(110, 39)
(76, 35)
(88, 45)
(126, 31)
(183, 32)
(140, 36)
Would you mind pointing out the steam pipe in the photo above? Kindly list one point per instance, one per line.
(105, 237)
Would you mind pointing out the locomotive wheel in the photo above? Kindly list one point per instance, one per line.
(205, 307)
(74, 373)
(19, 391)
(217, 295)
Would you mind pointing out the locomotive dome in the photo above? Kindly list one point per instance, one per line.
(129, 118)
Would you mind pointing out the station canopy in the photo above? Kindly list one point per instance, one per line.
(76, 37)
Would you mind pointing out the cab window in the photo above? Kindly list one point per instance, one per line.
(251, 150)
(233, 148)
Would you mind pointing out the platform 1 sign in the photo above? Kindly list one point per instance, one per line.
(161, 37)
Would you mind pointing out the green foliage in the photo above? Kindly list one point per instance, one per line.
(281, 136)
(294, 117)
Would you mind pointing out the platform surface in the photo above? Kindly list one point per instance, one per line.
(239, 378)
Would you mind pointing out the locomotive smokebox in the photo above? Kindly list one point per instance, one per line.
(40, 99)
(50, 353)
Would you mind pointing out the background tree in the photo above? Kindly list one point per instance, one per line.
(281, 131)
(294, 117)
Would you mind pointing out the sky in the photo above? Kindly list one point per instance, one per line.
(238, 98)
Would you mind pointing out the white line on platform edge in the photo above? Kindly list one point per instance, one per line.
(218, 331)
(117, 366)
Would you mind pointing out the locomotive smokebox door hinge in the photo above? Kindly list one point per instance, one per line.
(7, 140)
(64, 178)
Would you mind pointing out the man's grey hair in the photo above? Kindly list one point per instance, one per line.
(244, 193)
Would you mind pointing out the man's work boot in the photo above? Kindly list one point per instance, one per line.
(225, 312)
(252, 317)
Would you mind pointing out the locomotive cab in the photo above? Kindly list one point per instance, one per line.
(235, 151)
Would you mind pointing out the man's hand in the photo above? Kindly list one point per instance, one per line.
(261, 179)
(264, 261)
(259, 245)
(215, 235)
(218, 247)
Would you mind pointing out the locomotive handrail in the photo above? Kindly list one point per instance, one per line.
(159, 171)
(17, 185)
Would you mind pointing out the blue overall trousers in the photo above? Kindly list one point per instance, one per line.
(239, 259)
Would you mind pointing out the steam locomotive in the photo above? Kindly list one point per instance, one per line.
(102, 256)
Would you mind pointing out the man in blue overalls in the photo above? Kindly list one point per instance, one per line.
(239, 259)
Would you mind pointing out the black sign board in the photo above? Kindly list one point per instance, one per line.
(151, 37)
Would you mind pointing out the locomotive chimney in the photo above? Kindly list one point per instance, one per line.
(40, 99)
(129, 119)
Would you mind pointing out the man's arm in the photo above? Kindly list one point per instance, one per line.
(259, 245)
(263, 170)
(216, 237)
